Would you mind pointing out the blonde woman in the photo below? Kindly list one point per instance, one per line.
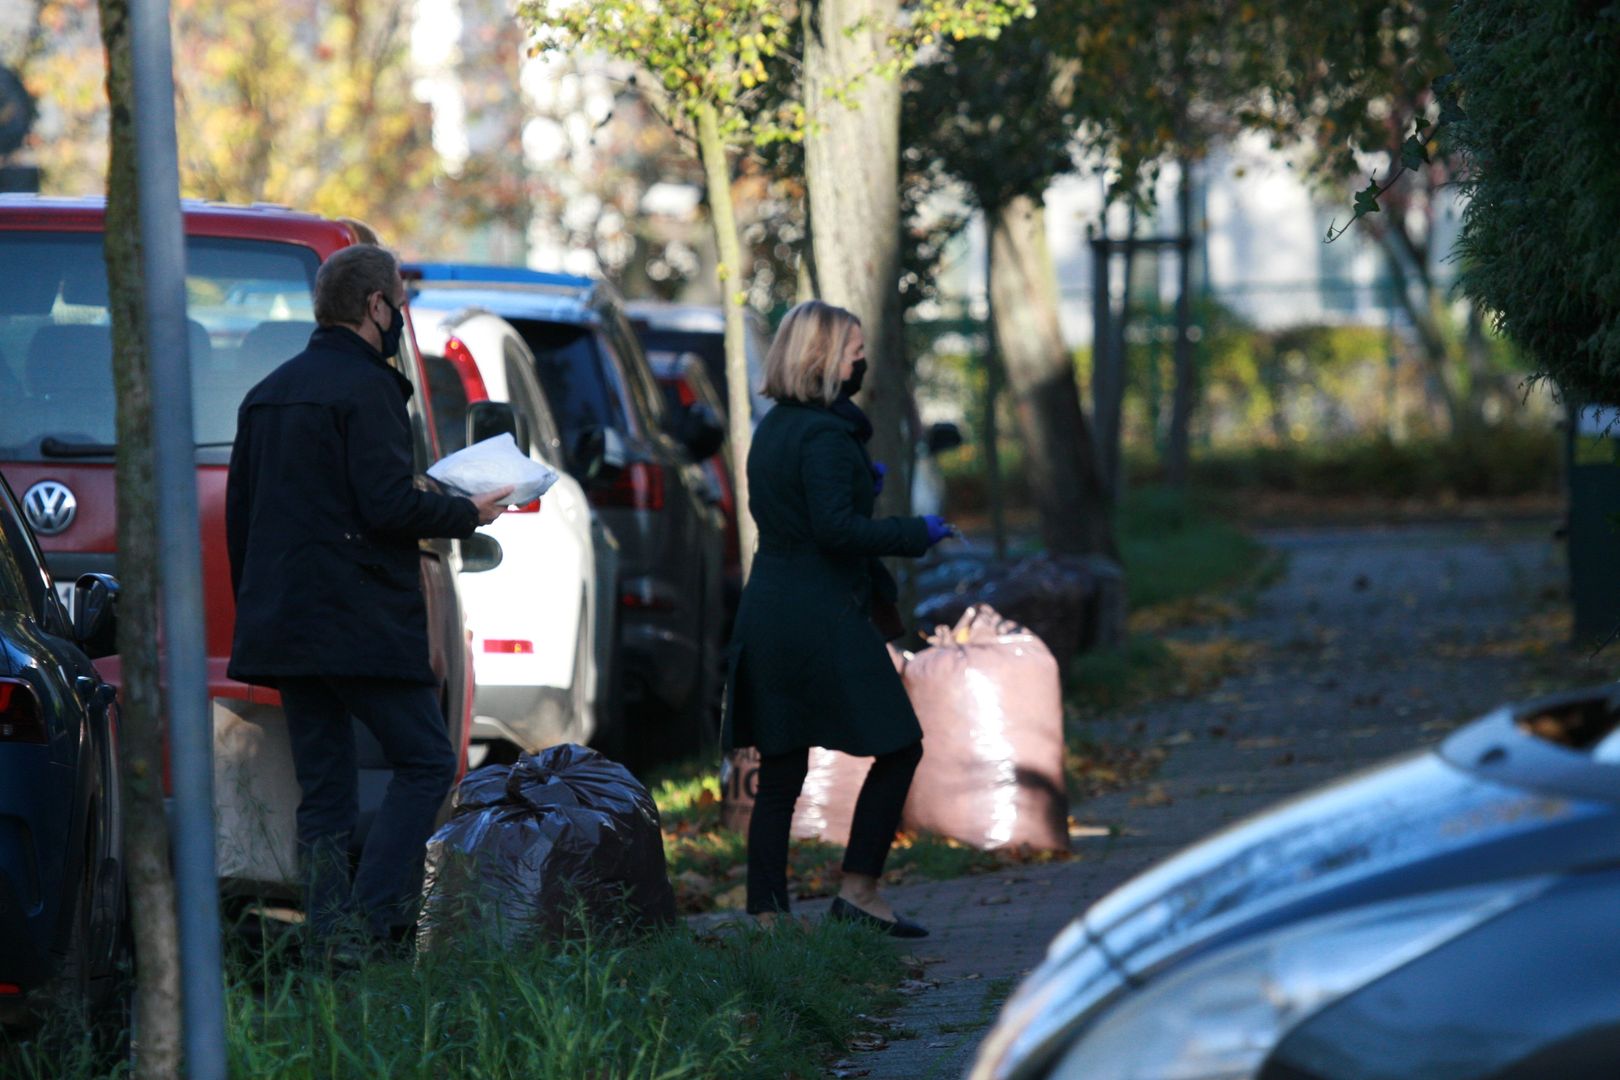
(808, 666)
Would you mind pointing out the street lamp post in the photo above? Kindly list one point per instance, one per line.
(184, 656)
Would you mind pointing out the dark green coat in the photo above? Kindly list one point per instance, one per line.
(808, 667)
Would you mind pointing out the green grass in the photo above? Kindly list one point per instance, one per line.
(1174, 549)
(745, 1003)
(1117, 677)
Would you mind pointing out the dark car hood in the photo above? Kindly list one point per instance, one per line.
(1431, 821)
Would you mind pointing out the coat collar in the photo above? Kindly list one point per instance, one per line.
(342, 339)
(854, 417)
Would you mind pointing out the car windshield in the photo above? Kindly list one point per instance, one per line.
(250, 308)
(583, 389)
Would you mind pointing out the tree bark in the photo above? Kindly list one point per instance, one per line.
(1059, 456)
(1110, 351)
(852, 172)
(1422, 304)
(717, 170)
(1185, 394)
(1107, 367)
(146, 834)
(994, 379)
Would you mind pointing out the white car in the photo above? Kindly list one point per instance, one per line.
(539, 651)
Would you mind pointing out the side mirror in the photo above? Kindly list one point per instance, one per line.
(599, 455)
(701, 432)
(942, 437)
(95, 614)
(480, 552)
(487, 419)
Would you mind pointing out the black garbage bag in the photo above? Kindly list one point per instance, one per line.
(533, 849)
(1056, 597)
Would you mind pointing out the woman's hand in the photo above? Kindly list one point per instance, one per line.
(938, 529)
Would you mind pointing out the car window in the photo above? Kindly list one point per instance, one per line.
(523, 388)
(449, 403)
(249, 307)
(583, 385)
(711, 347)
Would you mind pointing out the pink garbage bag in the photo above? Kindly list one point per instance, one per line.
(991, 706)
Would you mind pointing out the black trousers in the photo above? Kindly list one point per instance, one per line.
(406, 721)
(871, 831)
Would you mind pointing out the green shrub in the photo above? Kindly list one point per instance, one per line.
(1538, 85)
(1502, 461)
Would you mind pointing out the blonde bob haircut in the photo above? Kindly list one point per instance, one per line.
(804, 361)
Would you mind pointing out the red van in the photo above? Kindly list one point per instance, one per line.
(250, 274)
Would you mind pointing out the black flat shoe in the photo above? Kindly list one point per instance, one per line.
(844, 910)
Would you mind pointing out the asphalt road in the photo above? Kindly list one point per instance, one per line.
(1372, 643)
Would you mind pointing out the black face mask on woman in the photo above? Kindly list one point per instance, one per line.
(852, 385)
(392, 332)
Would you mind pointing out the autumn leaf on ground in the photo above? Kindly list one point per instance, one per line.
(733, 899)
(1155, 796)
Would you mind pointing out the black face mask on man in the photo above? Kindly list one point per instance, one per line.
(857, 375)
(392, 332)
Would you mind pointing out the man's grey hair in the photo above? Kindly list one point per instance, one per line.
(345, 282)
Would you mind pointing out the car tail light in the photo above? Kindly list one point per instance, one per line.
(684, 392)
(20, 718)
(645, 601)
(9, 989)
(527, 508)
(639, 486)
(461, 358)
(510, 646)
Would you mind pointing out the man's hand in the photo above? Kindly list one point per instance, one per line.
(491, 506)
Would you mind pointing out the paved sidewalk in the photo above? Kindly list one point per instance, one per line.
(1374, 642)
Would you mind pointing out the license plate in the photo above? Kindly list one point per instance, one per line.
(64, 593)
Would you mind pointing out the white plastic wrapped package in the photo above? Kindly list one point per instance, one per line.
(491, 465)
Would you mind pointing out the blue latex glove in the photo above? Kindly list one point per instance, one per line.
(879, 471)
(938, 529)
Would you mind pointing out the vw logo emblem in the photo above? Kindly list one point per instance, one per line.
(49, 507)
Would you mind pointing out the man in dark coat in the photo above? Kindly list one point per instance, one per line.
(322, 517)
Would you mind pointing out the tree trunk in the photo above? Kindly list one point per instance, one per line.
(1059, 456)
(146, 834)
(1423, 314)
(804, 285)
(1185, 394)
(852, 172)
(1107, 367)
(1110, 357)
(994, 379)
(717, 170)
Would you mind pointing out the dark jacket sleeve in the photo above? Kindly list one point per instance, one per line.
(377, 443)
(238, 497)
(830, 460)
